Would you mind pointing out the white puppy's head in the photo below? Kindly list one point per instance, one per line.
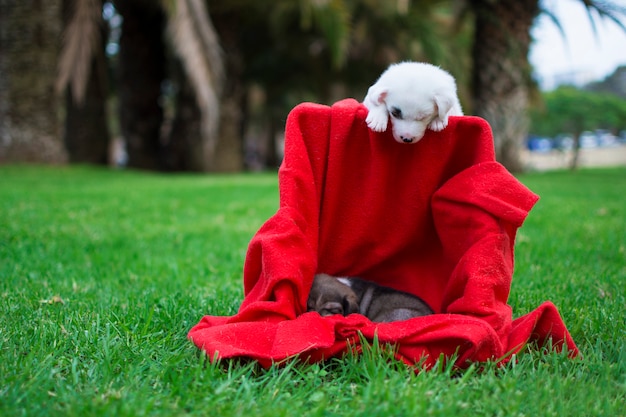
(416, 96)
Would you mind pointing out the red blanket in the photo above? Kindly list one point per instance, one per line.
(437, 219)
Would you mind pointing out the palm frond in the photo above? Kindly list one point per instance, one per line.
(606, 9)
(80, 40)
(196, 43)
(334, 20)
(555, 20)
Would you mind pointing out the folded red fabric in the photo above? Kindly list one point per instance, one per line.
(437, 219)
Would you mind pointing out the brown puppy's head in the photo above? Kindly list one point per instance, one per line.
(328, 296)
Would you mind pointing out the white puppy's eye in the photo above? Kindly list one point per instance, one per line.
(396, 113)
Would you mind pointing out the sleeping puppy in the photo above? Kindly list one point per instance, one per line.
(330, 295)
(417, 96)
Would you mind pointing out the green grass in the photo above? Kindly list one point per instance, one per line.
(102, 273)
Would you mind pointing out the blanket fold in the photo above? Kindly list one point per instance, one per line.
(437, 219)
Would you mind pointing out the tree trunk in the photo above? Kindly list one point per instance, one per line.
(29, 108)
(229, 146)
(501, 72)
(141, 73)
(86, 133)
(575, 151)
(182, 148)
(228, 155)
(272, 159)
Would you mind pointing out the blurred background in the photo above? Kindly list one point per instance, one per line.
(206, 85)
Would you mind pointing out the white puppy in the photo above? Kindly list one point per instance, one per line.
(417, 96)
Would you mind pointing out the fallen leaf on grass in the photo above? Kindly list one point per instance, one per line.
(56, 299)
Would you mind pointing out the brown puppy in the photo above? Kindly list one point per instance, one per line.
(330, 295)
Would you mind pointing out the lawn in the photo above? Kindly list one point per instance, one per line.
(102, 273)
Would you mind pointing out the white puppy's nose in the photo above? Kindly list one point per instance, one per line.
(407, 139)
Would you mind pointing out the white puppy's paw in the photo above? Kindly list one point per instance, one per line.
(438, 124)
(377, 115)
(377, 120)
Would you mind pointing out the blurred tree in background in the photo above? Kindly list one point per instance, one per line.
(501, 71)
(29, 109)
(569, 110)
(83, 80)
(206, 85)
(140, 73)
(615, 83)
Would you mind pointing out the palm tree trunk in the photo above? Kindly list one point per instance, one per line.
(29, 119)
(229, 146)
(86, 133)
(501, 72)
(182, 146)
(141, 73)
(228, 156)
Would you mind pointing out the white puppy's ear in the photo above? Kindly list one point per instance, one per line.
(377, 116)
(444, 103)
